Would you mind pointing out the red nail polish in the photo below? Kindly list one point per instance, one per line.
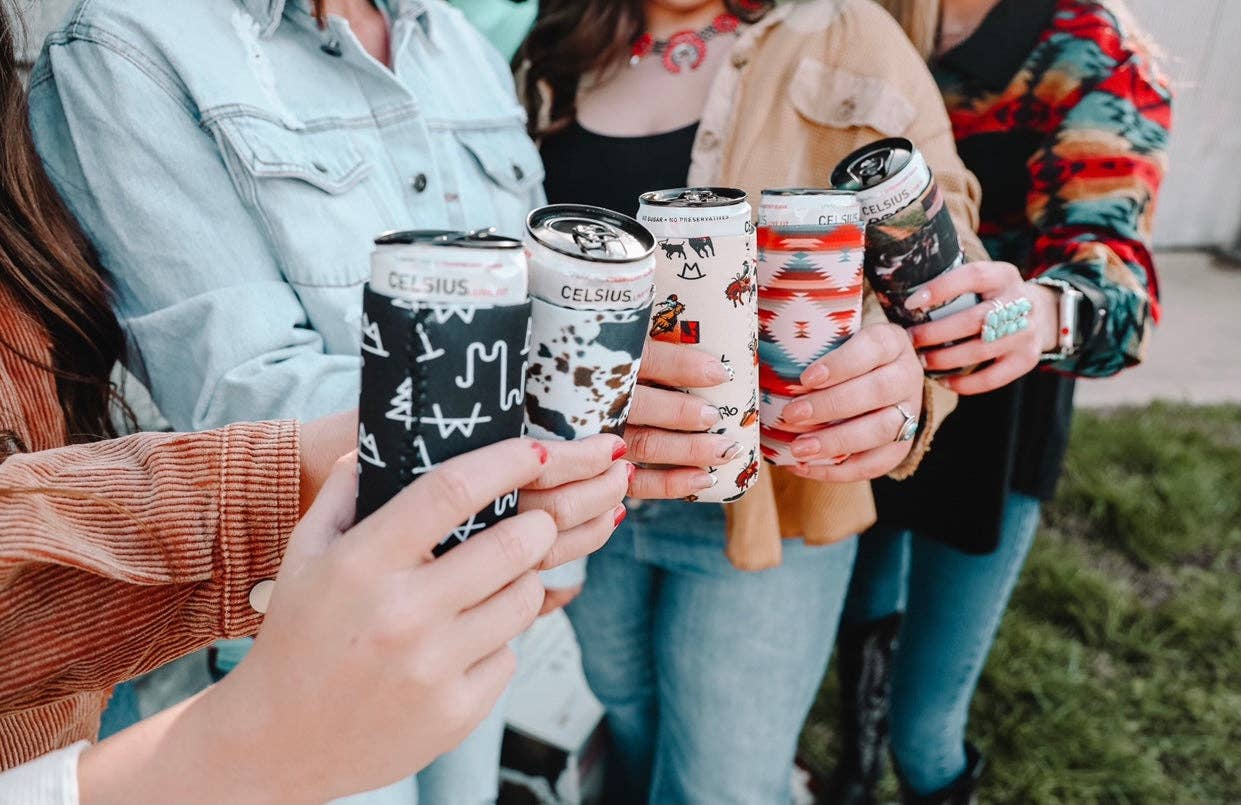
(541, 450)
(621, 514)
(620, 450)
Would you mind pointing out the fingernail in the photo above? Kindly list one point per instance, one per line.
(717, 373)
(703, 480)
(796, 412)
(632, 470)
(918, 300)
(808, 447)
(922, 360)
(541, 450)
(620, 515)
(619, 450)
(709, 416)
(728, 449)
(815, 376)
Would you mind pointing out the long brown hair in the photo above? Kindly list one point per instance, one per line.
(49, 269)
(573, 38)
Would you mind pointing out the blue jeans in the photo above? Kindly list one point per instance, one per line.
(953, 605)
(707, 672)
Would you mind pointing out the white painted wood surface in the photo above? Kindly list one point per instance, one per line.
(1201, 201)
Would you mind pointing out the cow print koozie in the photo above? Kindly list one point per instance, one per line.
(438, 380)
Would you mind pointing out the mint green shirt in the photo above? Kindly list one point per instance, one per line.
(504, 22)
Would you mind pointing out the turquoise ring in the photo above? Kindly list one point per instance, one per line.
(1006, 318)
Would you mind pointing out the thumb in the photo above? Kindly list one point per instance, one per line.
(329, 516)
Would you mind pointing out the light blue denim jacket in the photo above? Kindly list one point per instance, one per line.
(232, 171)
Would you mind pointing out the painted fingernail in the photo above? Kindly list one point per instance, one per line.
(717, 373)
(703, 480)
(709, 416)
(728, 449)
(918, 300)
(619, 516)
(807, 447)
(797, 411)
(619, 450)
(541, 450)
(815, 376)
(632, 470)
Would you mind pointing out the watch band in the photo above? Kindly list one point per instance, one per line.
(1069, 338)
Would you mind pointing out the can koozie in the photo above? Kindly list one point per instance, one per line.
(440, 377)
(706, 292)
(910, 235)
(810, 252)
(591, 278)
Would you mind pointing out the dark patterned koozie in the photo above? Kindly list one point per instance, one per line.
(910, 236)
(439, 378)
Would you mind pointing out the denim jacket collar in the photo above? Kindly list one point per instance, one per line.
(268, 13)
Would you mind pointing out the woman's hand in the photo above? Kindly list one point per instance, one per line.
(581, 487)
(1010, 356)
(669, 427)
(373, 659)
(857, 390)
(323, 441)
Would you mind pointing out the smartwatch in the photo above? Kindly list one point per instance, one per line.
(1069, 334)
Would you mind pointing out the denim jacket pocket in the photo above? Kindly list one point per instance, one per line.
(510, 162)
(309, 189)
(840, 98)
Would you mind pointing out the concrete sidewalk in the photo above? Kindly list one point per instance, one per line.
(1195, 353)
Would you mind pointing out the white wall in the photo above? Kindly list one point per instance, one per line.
(1201, 200)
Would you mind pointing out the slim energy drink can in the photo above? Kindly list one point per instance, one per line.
(810, 249)
(910, 236)
(706, 289)
(445, 341)
(592, 276)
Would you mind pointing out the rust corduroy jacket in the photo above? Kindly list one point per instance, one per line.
(140, 550)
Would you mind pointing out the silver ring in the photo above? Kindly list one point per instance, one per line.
(909, 428)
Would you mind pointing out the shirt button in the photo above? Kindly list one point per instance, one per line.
(739, 60)
(847, 107)
(518, 173)
(260, 595)
(710, 140)
(419, 182)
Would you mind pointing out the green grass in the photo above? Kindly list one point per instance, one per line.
(1116, 676)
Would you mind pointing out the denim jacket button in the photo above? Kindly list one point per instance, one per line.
(420, 182)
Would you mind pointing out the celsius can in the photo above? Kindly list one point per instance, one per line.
(592, 275)
(445, 340)
(910, 235)
(705, 296)
(810, 250)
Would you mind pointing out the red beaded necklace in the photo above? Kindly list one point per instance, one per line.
(683, 48)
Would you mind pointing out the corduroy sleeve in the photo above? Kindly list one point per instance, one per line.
(119, 556)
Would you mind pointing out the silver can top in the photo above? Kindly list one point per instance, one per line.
(478, 239)
(694, 197)
(873, 164)
(590, 233)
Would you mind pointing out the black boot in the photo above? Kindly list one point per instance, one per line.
(864, 660)
(959, 792)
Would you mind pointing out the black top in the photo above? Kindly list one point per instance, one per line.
(611, 172)
(1013, 438)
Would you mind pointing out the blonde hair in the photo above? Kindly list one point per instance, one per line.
(920, 21)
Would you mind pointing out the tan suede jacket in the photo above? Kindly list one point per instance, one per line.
(811, 82)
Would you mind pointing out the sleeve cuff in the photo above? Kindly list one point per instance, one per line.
(260, 474)
(51, 779)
